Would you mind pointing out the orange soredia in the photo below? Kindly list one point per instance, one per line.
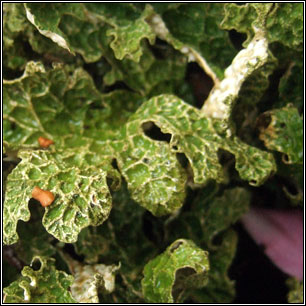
(45, 197)
(45, 142)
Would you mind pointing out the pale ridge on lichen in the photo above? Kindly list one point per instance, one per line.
(159, 27)
(89, 278)
(52, 35)
(220, 102)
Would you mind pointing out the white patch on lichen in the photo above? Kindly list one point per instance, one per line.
(159, 27)
(26, 295)
(185, 50)
(89, 278)
(245, 62)
(191, 58)
(58, 39)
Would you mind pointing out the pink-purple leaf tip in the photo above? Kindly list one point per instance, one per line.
(281, 234)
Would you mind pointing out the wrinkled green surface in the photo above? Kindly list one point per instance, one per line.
(111, 243)
(125, 35)
(220, 288)
(43, 285)
(200, 138)
(204, 224)
(195, 24)
(284, 133)
(82, 197)
(166, 277)
(284, 21)
(155, 178)
(134, 165)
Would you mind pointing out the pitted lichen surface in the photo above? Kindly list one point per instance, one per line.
(45, 285)
(76, 166)
(81, 194)
(199, 138)
(161, 273)
(284, 133)
(161, 118)
(90, 279)
(283, 21)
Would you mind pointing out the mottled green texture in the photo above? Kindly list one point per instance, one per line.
(125, 25)
(47, 103)
(208, 223)
(168, 276)
(14, 21)
(283, 21)
(296, 293)
(197, 25)
(32, 105)
(81, 194)
(113, 237)
(220, 288)
(45, 285)
(20, 31)
(256, 84)
(112, 241)
(127, 38)
(139, 159)
(151, 76)
(155, 178)
(284, 133)
(47, 17)
(200, 138)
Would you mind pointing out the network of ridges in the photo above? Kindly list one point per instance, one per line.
(285, 24)
(200, 138)
(50, 103)
(240, 18)
(284, 133)
(283, 21)
(45, 285)
(162, 282)
(211, 216)
(80, 27)
(155, 178)
(82, 197)
(126, 42)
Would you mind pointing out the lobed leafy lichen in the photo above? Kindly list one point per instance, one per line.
(98, 110)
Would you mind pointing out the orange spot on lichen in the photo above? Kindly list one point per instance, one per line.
(45, 142)
(45, 197)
